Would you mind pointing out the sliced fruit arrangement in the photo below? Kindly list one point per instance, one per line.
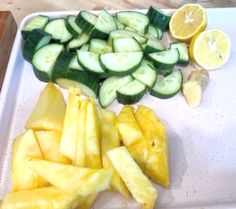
(88, 50)
(69, 166)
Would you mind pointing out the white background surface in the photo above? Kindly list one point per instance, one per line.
(202, 140)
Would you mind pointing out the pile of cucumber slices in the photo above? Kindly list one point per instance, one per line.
(112, 56)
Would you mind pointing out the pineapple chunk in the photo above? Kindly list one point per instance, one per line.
(72, 179)
(69, 133)
(128, 127)
(49, 111)
(93, 155)
(22, 176)
(41, 198)
(49, 142)
(80, 153)
(87, 203)
(110, 139)
(153, 129)
(137, 183)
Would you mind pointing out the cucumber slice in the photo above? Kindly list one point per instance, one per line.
(119, 24)
(121, 63)
(76, 43)
(164, 61)
(57, 28)
(44, 59)
(169, 86)
(153, 45)
(131, 92)
(38, 22)
(183, 52)
(89, 62)
(152, 32)
(72, 27)
(74, 64)
(104, 25)
(126, 34)
(76, 78)
(36, 39)
(158, 18)
(126, 45)
(85, 47)
(99, 46)
(107, 92)
(146, 74)
(134, 20)
(86, 20)
(61, 65)
(160, 33)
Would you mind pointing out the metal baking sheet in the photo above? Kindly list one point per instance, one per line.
(202, 140)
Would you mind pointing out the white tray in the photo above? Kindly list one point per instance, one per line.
(202, 140)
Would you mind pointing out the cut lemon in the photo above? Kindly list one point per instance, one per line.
(188, 21)
(210, 49)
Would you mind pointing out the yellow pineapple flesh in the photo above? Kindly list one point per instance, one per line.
(87, 202)
(138, 184)
(69, 133)
(49, 142)
(72, 179)
(157, 165)
(41, 198)
(92, 142)
(22, 176)
(49, 111)
(110, 139)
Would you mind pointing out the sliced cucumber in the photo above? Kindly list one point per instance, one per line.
(61, 65)
(169, 86)
(183, 52)
(86, 20)
(152, 32)
(158, 18)
(107, 92)
(126, 34)
(126, 45)
(104, 25)
(85, 47)
(119, 24)
(38, 22)
(146, 74)
(74, 64)
(99, 46)
(72, 27)
(164, 61)
(153, 45)
(44, 59)
(160, 33)
(135, 20)
(76, 43)
(76, 78)
(131, 92)
(57, 28)
(89, 62)
(122, 63)
(36, 39)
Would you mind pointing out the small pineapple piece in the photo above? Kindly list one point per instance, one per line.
(128, 127)
(69, 133)
(49, 111)
(92, 147)
(80, 153)
(157, 165)
(49, 142)
(72, 179)
(22, 176)
(110, 139)
(41, 198)
(137, 183)
(195, 86)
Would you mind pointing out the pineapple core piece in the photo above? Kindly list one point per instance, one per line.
(22, 176)
(49, 111)
(138, 184)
